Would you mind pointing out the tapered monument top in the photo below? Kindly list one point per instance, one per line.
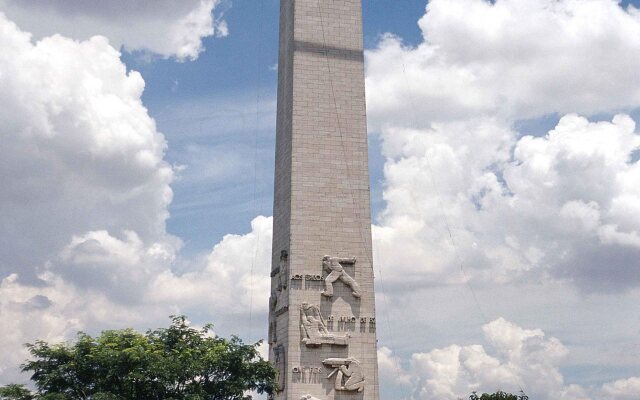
(322, 327)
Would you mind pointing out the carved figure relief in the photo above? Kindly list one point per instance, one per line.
(348, 372)
(333, 265)
(281, 274)
(315, 328)
(273, 337)
(278, 294)
(308, 397)
(280, 362)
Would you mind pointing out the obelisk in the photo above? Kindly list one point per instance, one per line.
(322, 326)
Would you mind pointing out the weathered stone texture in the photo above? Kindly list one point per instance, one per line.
(322, 204)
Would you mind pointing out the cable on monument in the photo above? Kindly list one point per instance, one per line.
(345, 158)
(255, 164)
(432, 178)
(445, 217)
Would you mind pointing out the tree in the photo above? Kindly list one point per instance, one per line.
(15, 392)
(499, 395)
(172, 363)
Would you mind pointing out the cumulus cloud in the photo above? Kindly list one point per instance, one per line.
(80, 158)
(167, 28)
(233, 277)
(120, 267)
(624, 389)
(471, 197)
(99, 281)
(563, 204)
(20, 306)
(390, 367)
(80, 152)
(512, 360)
(467, 196)
(84, 216)
(84, 203)
(510, 58)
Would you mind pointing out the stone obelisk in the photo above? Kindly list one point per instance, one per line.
(322, 326)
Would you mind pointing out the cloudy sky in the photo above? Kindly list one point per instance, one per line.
(136, 174)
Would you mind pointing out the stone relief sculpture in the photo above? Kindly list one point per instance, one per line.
(349, 368)
(272, 333)
(315, 328)
(278, 297)
(333, 265)
(280, 362)
(281, 273)
(308, 397)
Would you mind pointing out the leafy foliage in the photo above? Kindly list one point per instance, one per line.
(15, 392)
(172, 363)
(499, 395)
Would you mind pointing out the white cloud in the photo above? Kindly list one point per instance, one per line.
(99, 282)
(29, 310)
(80, 152)
(80, 158)
(624, 389)
(164, 27)
(467, 197)
(390, 367)
(516, 359)
(510, 58)
(233, 280)
(84, 203)
(470, 199)
(561, 204)
(121, 268)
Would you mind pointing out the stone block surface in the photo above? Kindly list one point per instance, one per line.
(322, 207)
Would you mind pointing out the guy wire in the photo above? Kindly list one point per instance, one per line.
(444, 214)
(340, 131)
(255, 163)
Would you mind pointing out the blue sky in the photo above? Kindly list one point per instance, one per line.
(244, 86)
(244, 91)
(504, 170)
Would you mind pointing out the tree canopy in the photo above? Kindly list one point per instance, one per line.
(499, 395)
(174, 363)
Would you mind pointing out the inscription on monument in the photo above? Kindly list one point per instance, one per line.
(307, 277)
(307, 375)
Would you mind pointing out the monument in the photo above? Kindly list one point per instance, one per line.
(322, 326)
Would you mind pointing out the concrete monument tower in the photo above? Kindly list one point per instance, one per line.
(322, 326)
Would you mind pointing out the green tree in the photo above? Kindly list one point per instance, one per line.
(499, 395)
(15, 392)
(174, 363)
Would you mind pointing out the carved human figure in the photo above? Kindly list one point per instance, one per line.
(282, 281)
(315, 328)
(278, 294)
(333, 265)
(273, 330)
(349, 368)
(281, 366)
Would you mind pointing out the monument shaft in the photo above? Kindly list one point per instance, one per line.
(322, 329)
